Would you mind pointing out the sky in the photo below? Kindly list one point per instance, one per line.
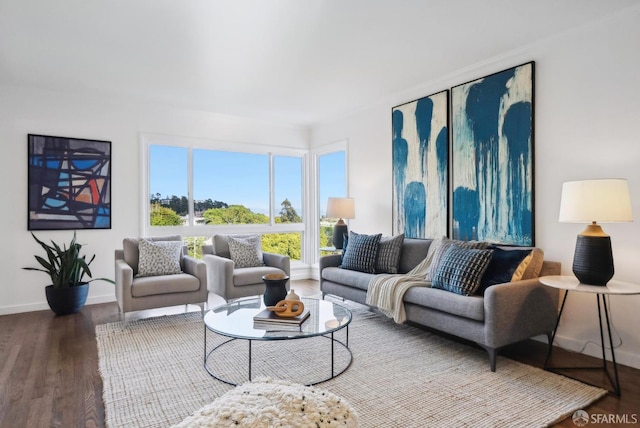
(241, 178)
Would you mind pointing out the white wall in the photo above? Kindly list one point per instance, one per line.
(25, 111)
(586, 122)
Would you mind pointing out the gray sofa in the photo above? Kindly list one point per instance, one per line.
(507, 313)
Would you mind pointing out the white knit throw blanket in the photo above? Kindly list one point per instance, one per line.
(387, 290)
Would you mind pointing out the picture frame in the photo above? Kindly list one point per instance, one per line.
(493, 157)
(420, 164)
(69, 183)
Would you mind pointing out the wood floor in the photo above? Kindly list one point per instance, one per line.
(49, 368)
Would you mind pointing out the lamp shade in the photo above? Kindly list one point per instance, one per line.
(341, 208)
(602, 201)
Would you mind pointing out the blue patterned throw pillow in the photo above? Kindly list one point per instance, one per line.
(389, 252)
(443, 245)
(361, 253)
(461, 270)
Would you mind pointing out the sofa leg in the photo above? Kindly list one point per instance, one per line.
(493, 353)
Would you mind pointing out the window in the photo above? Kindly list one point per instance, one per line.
(332, 182)
(168, 177)
(198, 192)
(231, 187)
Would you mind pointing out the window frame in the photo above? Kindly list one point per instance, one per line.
(313, 216)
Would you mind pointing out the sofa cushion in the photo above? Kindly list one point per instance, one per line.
(413, 252)
(153, 285)
(361, 252)
(253, 275)
(461, 270)
(471, 307)
(351, 278)
(440, 247)
(159, 257)
(502, 266)
(389, 251)
(246, 252)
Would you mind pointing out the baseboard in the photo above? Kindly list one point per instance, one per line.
(595, 350)
(43, 306)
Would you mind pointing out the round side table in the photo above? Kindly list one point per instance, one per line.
(571, 283)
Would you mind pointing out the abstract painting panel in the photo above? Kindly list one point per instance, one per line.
(492, 154)
(420, 153)
(69, 183)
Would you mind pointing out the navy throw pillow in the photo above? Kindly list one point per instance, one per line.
(501, 267)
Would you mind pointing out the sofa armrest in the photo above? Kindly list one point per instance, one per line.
(515, 311)
(197, 268)
(219, 273)
(278, 261)
(331, 260)
(124, 281)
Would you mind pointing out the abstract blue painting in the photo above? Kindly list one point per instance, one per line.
(492, 157)
(420, 157)
(69, 183)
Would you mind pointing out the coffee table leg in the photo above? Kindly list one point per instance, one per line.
(250, 360)
(332, 347)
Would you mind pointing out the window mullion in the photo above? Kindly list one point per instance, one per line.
(191, 209)
(272, 204)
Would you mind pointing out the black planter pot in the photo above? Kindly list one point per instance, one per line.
(67, 300)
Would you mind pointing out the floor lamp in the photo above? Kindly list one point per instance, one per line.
(593, 202)
(340, 208)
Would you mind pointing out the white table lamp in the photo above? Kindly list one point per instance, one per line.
(340, 208)
(593, 202)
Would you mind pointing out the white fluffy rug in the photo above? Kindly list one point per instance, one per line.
(274, 403)
(401, 376)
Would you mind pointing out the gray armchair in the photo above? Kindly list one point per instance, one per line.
(230, 282)
(135, 293)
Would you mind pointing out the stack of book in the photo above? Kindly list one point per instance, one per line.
(269, 320)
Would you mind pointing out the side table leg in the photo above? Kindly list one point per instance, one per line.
(555, 330)
(616, 385)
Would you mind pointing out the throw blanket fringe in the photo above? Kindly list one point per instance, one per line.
(386, 291)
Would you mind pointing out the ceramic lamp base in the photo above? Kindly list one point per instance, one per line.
(593, 260)
(339, 230)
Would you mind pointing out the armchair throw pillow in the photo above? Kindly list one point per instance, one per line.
(159, 257)
(246, 252)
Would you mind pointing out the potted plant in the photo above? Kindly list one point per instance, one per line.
(68, 290)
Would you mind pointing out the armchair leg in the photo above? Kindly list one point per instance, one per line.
(123, 318)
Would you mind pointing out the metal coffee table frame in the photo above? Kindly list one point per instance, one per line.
(235, 321)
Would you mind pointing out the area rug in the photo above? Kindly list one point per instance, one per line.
(401, 376)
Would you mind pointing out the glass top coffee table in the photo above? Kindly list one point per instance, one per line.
(234, 322)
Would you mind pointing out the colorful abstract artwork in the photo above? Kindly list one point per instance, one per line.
(420, 152)
(492, 157)
(69, 183)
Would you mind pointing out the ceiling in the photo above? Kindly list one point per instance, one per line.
(292, 61)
